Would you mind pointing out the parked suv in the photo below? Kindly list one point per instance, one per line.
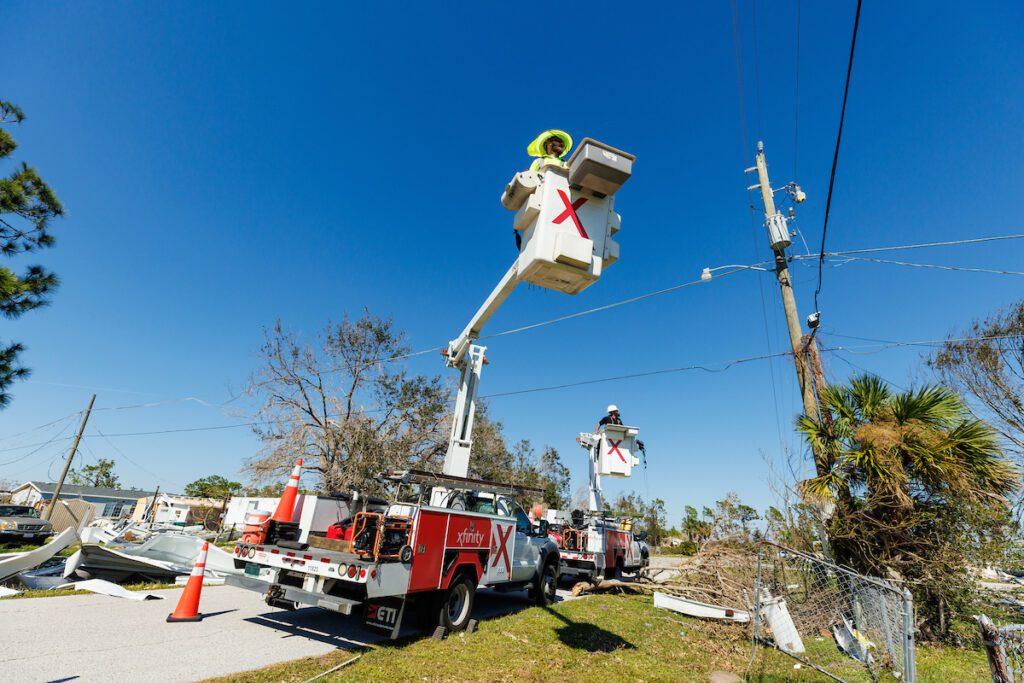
(22, 522)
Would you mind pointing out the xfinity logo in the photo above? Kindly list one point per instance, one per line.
(470, 536)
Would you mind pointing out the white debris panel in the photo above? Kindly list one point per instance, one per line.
(113, 590)
(33, 558)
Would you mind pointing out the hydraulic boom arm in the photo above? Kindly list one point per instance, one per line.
(468, 357)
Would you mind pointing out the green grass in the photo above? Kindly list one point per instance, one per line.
(602, 637)
(24, 548)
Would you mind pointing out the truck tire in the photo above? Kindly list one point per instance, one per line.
(545, 586)
(455, 605)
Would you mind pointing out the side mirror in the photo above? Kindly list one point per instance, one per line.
(542, 528)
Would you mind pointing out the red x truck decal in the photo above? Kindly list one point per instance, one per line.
(570, 212)
(502, 549)
(613, 447)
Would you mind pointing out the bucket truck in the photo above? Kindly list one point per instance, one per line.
(595, 544)
(443, 535)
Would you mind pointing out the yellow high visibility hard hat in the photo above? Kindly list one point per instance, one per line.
(536, 148)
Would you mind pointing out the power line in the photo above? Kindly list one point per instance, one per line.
(616, 304)
(705, 367)
(950, 243)
(42, 426)
(739, 73)
(835, 156)
(796, 93)
(757, 68)
(156, 476)
(40, 445)
(727, 364)
(964, 269)
(187, 429)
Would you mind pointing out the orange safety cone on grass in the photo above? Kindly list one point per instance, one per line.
(286, 506)
(188, 604)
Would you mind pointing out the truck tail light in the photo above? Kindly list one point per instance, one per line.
(352, 572)
(362, 573)
(237, 550)
(252, 552)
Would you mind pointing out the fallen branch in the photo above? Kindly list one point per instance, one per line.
(609, 585)
(332, 670)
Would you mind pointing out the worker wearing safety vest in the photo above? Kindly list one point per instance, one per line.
(551, 145)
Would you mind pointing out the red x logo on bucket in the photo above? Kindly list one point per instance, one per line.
(502, 549)
(613, 447)
(570, 212)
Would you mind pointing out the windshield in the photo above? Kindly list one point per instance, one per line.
(17, 511)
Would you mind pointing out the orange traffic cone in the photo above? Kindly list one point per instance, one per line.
(286, 506)
(188, 605)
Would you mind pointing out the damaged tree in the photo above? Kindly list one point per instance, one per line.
(987, 362)
(918, 486)
(344, 406)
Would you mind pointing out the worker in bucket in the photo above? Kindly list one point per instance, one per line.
(552, 145)
(612, 418)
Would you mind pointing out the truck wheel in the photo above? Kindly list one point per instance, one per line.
(545, 587)
(456, 604)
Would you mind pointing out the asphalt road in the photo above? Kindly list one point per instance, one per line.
(86, 638)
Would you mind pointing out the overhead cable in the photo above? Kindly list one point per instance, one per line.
(835, 156)
(924, 245)
(931, 265)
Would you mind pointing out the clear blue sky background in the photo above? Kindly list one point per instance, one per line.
(225, 166)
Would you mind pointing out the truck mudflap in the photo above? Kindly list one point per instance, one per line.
(276, 591)
(385, 614)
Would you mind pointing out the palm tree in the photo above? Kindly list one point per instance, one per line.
(890, 450)
(918, 486)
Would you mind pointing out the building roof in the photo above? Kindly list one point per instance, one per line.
(72, 490)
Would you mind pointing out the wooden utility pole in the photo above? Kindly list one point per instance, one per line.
(71, 456)
(778, 237)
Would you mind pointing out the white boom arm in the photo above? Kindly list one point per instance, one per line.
(592, 442)
(469, 358)
(458, 347)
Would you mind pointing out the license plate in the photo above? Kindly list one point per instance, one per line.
(252, 569)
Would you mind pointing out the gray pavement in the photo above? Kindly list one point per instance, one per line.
(85, 638)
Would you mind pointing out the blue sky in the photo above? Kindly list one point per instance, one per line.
(225, 166)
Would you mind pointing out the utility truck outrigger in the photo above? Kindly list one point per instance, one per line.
(440, 536)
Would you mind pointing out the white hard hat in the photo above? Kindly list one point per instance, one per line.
(613, 408)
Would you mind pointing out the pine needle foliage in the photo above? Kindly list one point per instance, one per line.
(27, 205)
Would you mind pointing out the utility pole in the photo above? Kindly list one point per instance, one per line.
(778, 239)
(71, 456)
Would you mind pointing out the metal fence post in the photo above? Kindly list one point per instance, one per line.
(909, 661)
(757, 596)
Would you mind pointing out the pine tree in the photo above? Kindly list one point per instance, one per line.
(26, 206)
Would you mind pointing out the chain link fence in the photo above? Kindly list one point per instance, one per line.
(847, 626)
(1004, 646)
